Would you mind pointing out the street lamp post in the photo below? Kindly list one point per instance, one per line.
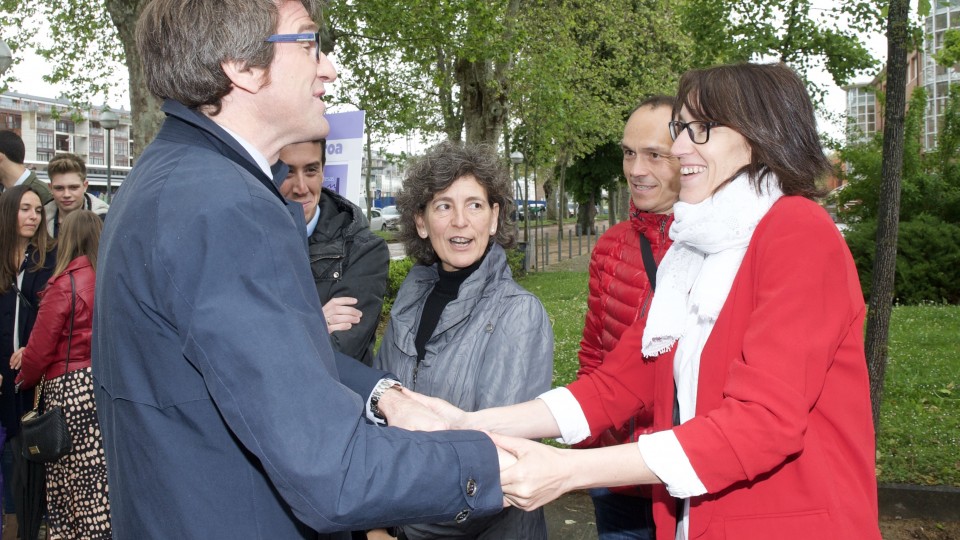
(517, 159)
(109, 121)
(6, 57)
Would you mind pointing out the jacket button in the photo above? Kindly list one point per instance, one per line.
(462, 516)
(471, 487)
(336, 275)
(489, 328)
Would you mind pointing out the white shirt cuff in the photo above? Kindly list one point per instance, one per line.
(569, 415)
(665, 457)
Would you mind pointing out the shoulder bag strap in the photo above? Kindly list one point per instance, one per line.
(649, 263)
(73, 313)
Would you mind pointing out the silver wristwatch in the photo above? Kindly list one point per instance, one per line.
(378, 390)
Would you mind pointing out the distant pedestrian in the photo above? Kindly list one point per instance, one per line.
(12, 170)
(27, 259)
(68, 182)
(58, 355)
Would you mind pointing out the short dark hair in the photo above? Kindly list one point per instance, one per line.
(323, 152)
(183, 44)
(436, 171)
(655, 102)
(67, 163)
(11, 145)
(768, 104)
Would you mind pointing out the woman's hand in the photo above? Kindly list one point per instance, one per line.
(379, 534)
(16, 359)
(454, 417)
(340, 315)
(540, 475)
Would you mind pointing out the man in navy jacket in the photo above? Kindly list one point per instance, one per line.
(225, 414)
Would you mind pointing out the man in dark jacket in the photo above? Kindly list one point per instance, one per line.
(348, 261)
(224, 413)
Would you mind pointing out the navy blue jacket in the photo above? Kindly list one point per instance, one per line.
(224, 409)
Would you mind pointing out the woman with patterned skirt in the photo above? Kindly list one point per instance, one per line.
(58, 355)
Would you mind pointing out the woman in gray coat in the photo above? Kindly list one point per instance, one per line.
(461, 329)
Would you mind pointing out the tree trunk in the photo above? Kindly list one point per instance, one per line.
(884, 266)
(483, 101)
(145, 108)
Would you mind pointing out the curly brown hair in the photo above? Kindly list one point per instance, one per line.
(436, 171)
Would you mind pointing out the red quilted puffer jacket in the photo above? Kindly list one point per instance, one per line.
(620, 295)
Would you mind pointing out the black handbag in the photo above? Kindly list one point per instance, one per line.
(45, 436)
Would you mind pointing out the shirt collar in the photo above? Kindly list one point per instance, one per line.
(312, 226)
(252, 150)
(23, 177)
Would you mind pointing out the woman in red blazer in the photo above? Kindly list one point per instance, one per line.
(763, 414)
(77, 500)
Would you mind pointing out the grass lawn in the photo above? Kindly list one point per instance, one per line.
(919, 440)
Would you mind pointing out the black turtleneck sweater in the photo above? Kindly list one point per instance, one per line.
(445, 291)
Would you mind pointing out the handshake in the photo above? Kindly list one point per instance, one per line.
(531, 474)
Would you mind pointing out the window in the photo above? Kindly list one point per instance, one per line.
(120, 148)
(44, 140)
(96, 145)
(65, 126)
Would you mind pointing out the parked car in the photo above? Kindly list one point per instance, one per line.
(376, 221)
(536, 211)
(389, 218)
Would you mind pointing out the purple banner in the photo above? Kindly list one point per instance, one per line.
(334, 176)
(346, 125)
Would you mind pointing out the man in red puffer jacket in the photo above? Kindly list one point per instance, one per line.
(620, 292)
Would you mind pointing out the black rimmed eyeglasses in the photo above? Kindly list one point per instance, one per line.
(308, 37)
(698, 130)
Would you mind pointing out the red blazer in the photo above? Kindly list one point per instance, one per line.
(46, 351)
(783, 438)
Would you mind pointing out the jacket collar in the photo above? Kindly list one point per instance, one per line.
(338, 217)
(195, 127)
(493, 269)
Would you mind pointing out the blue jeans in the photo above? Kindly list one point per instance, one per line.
(622, 517)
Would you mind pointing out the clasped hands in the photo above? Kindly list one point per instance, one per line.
(531, 474)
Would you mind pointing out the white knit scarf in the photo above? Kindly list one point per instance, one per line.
(694, 279)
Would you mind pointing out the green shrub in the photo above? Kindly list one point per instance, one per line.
(515, 260)
(399, 268)
(928, 259)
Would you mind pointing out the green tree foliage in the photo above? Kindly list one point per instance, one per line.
(928, 246)
(457, 51)
(89, 42)
(583, 67)
(795, 32)
(587, 176)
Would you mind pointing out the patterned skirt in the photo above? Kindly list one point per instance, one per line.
(78, 505)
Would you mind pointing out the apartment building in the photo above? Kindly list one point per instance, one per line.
(53, 126)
